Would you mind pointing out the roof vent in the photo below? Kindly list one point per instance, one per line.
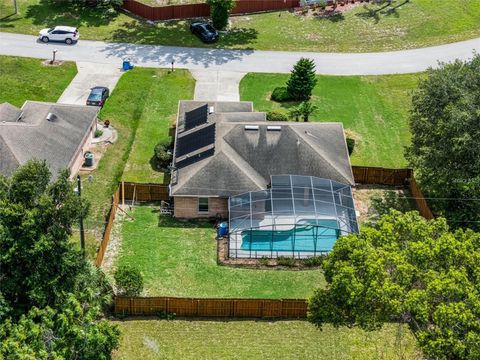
(20, 117)
(211, 110)
(274, 128)
(51, 117)
(251, 127)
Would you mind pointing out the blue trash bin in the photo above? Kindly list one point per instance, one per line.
(127, 65)
(222, 229)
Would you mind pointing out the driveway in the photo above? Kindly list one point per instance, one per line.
(217, 85)
(89, 75)
(406, 61)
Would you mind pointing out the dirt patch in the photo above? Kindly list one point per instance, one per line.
(330, 12)
(363, 195)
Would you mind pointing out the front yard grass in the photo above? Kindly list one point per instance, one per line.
(178, 258)
(28, 79)
(263, 340)
(373, 110)
(140, 109)
(366, 28)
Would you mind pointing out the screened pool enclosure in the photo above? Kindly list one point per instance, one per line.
(298, 216)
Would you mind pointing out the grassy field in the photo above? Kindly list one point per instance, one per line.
(28, 79)
(179, 259)
(140, 108)
(368, 27)
(263, 340)
(373, 109)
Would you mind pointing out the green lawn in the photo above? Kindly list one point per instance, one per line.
(28, 79)
(263, 340)
(140, 108)
(365, 28)
(373, 110)
(179, 259)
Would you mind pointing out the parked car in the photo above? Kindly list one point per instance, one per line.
(67, 34)
(98, 95)
(204, 31)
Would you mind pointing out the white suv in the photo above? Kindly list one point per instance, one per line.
(66, 34)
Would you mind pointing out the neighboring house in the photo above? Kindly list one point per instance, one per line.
(223, 149)
(57, 133)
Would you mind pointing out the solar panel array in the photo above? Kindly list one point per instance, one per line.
(196, 117)
(195, 140)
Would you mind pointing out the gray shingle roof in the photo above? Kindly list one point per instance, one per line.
(36, 138)
(9, 113)
(244, 160)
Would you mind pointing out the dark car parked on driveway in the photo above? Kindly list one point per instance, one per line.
(98, 95)
(204, 31)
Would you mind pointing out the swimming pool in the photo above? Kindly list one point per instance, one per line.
(305, 237)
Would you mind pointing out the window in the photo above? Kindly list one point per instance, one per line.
(202, 204)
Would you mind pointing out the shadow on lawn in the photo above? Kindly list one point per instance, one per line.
(48, 13)
(171, 222)
(387, 10)
(177, 33)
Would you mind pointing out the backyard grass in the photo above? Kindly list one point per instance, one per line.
(373, 110)
(140, 109)
(179, 259)
(367, 27)
(202, 339)
(28, 79)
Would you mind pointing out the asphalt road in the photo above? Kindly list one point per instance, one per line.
(406, 61)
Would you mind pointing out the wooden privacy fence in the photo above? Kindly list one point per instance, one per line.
(393, 177)
(144, 192)
(193, 307)
(186, 11)
(108, 229)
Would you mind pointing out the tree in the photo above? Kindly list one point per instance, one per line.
(37, 259)
(445, 151)
(70, 333)
(50, 293)
(129, 281)
(407, 269)
(220, 11)
(162, 154)
(302, 80)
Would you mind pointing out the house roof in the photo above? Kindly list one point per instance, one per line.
(243, 160)
(9, 113)
(34, 137)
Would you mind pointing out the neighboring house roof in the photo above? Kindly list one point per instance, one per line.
(34, 137)
(243, 160)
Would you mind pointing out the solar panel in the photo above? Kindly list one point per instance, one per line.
(195, 140)
(196, 117)
(192, 159)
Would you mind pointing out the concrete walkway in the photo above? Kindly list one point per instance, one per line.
(90, 75)
(217, 85)
(240, 60)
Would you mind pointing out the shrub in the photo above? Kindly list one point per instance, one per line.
(285, 261)
(350, 145)
(264, 261)
(280, 94)
(129, 281)
(302, 80)
(162, 154)
(220, 11)
(98, 133)
(390, 200)
(306, 108)
(313, 261)
(276, 115)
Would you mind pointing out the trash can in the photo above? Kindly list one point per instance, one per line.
(127, 65)
(222, 229)
(88, 158)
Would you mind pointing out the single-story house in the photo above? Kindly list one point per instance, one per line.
(223, 149)
(57, 133)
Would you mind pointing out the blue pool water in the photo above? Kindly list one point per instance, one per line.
(301, 238)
